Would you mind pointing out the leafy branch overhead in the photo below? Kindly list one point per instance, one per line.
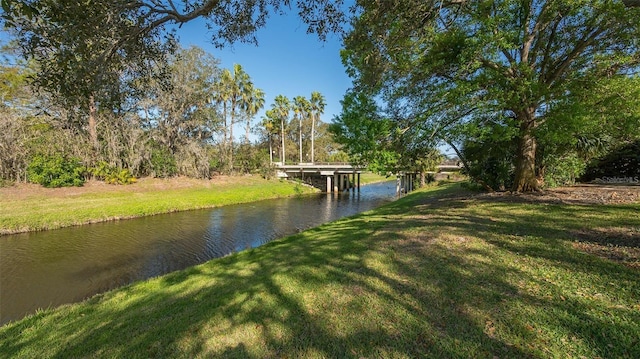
(228, 21)
(85, 46)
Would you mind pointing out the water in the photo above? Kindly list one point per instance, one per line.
(47, 269)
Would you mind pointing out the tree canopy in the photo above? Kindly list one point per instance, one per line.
(85, 43)
(504, 64)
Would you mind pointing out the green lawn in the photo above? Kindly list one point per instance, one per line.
(440, 273)
(369, 177)
(54, 208)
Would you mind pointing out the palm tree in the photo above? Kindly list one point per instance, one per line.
(254, 104)
(269, 121)
(223, 97)
(234, 92)
(317, 105)
(281, 107)
(301, 110)
(241, 90)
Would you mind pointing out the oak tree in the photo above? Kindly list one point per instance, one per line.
(508, 60)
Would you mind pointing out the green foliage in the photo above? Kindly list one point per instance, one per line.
(56, 171)
(216, 164)
(366, 137)
(101, 170)
(122, 176)
(168, 126)
(622, 163)
(338, 156)
(563, 171)
(250, 159)
(268, 172)
(488, 151)
(163, 163)
(111, 174)
(490, 162)
(88, 48)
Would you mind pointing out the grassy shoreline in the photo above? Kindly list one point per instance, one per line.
(370, 178)
(27, 208)
(438, 273)
(31, 208)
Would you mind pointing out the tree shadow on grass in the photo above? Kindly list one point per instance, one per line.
(273, 301)
(406, 281)
(543, 235)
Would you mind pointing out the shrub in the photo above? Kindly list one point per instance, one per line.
(490, 161)
(563, 171)
(163, 163)
(623, 162)
(249, 159)
(268, 172)
(56, 171)
(122, 176)
(5, 183)
(112, 175)
(100, 171)
(430, 178)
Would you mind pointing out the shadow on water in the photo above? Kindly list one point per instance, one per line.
(47, 269)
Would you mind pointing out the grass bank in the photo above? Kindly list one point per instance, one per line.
(440, 273)
(32, 208)
(369, 178)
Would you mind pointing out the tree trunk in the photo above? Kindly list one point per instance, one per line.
(270, 150)
(93, 131)
(313, 135)
(525, 175)
(224, 129)
(248, 129)
(282, 140)
(231, 123)
(300, 137)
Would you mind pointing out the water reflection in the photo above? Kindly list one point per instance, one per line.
(47, 269)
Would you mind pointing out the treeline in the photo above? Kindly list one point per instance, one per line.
(179, 122)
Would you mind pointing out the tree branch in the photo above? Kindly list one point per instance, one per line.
(547, 50)
(561, 67)
(507, 72)
(529, 36)
(178, 17)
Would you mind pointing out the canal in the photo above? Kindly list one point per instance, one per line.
(51, 268)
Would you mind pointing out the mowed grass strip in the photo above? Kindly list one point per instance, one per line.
(56, 208)
(438, 274)
(370, 177)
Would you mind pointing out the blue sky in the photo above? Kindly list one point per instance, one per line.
(287, 60)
